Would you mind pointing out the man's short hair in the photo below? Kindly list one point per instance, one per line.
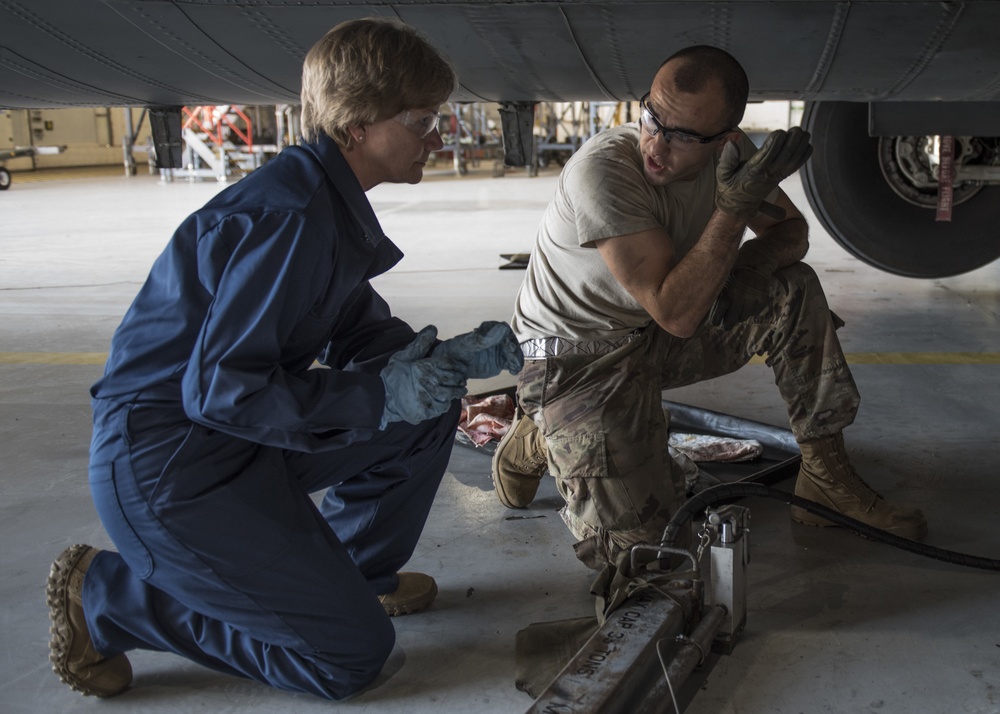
(364, 71)
(701, 63)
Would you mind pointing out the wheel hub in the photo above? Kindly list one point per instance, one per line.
(910, 165)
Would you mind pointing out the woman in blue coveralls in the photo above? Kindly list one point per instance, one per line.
(212, 424)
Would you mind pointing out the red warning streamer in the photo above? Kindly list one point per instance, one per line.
(946, 178)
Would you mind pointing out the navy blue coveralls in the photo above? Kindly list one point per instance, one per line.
(212, 425)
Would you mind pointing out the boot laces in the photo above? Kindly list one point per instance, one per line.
(857, 485)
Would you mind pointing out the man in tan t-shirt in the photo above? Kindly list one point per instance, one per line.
(638, 282)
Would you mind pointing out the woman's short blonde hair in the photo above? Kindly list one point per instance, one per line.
(364, 71)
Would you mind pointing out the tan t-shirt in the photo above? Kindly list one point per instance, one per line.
(568, 290)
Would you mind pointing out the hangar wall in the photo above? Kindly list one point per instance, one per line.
(92, 136)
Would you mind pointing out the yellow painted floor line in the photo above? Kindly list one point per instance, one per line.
(937, 358)
(923, 358)
(53, 357)
(68, 173)
(929, 358)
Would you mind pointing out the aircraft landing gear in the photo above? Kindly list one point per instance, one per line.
(878, 202)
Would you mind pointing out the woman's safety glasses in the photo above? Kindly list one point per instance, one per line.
(420, 123)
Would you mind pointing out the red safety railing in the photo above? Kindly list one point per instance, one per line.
(214, 120)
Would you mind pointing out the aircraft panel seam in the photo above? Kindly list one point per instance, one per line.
(206, 62)
(583, 56)
(54, 33)
(950, 12)
(833, 37)
(274, 31)
(462, 89)
(483, 30)
(722, 19)
(29, 70)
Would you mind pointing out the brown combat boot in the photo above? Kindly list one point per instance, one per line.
(415, 592)
(71, 650)
(828, 478)
(519, 463)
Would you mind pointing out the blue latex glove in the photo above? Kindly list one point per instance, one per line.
(419, 387)
(484, 352)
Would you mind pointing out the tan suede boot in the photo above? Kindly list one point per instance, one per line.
(415, 592)
(828, 478)
(71, 650)
(519, 463)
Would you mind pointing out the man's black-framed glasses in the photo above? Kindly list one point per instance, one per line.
(652, 125)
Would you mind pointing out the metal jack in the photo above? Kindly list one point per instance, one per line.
(728, 528)
(649, 646)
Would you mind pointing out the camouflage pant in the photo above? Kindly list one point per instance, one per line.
(603, 422)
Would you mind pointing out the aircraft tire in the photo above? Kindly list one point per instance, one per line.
(5, 179)
(852, 200)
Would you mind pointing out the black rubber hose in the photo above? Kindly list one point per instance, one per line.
(733, 491)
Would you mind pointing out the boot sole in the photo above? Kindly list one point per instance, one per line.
(504, 498)
(501, 492)
(410, 608)
(61, 642)
(804, 517)
(801, 515)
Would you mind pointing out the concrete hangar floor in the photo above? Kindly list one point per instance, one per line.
(836, 623)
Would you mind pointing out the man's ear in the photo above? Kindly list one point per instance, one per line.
(732, 137)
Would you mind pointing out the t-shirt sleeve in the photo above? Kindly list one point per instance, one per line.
(609, 198)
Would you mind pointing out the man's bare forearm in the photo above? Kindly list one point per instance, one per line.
(693, 284)
(779, 246)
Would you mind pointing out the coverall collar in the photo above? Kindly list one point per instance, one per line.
(347, 184)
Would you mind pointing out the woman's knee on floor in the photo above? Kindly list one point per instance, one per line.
(348, 668)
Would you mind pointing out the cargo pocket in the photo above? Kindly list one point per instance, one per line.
(596, 498)
(111, 486)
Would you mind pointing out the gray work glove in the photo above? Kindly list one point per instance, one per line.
(484, 352)
(741, 186)
(747, 291)
(419, 387)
